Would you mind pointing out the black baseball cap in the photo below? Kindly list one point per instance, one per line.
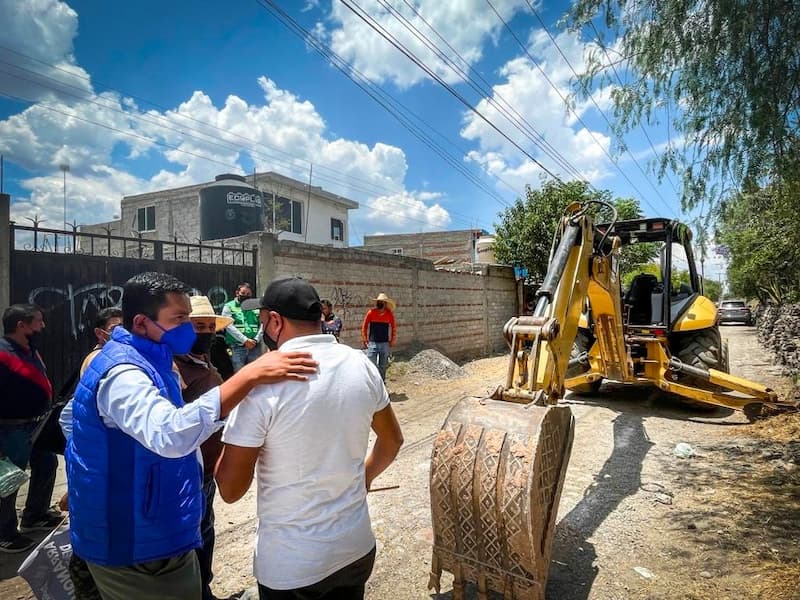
(293, 298)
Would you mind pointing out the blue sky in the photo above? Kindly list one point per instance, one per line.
(144, 95)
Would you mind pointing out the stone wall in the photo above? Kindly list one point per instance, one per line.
(459, 314)
(779, 332)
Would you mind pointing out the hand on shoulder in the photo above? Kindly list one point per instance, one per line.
(280, 366)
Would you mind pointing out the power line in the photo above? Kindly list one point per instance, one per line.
(292, 163)
(425, 68)
(600, 110)
(380, 96)
(215, 141)
(482, 87)
(603, 47)
(163, 144)
(566, 104)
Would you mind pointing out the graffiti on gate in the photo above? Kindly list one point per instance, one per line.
(82, 301)
(86, 301)
(217, 295)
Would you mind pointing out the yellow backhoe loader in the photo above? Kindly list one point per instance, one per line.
(498, 463)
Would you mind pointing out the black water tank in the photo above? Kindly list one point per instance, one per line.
(229, 207)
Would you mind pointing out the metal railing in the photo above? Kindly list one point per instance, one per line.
(54, 241)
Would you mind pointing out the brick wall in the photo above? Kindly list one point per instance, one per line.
(455, 245)
(460, 314)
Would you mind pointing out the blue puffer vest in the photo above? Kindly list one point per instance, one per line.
(127, 504)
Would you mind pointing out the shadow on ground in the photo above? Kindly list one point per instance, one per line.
(572, 570)
(648, 401)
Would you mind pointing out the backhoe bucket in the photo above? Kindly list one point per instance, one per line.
(497, 470)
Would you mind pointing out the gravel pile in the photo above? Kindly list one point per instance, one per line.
(436, 365)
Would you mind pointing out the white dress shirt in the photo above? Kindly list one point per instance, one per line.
(129, 401)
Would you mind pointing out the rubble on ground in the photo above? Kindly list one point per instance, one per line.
(435, 365)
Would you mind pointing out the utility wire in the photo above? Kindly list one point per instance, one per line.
(385, 100)
(214, 141)
(603, 46)
(566, 104)
(358, 11)
(600, 110)
(293, 160)
(158, 106)
(164, 144)
(487, 86)
(395, 108)
(481, 87)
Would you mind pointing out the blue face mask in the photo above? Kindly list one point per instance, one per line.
(179, 339)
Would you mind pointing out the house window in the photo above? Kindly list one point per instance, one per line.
(288, 214)
(396, 251)
(146, 218)
(337, 230)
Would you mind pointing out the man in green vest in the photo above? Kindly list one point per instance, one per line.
(243, 336)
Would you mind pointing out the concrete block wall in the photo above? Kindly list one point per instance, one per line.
(460, 314)
(457, 245)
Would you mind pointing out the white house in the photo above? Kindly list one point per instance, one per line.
(296, 210)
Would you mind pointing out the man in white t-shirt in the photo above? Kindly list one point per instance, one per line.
(308, 441)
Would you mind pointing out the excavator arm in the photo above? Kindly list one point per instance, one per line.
(582, 275)
(498, 463)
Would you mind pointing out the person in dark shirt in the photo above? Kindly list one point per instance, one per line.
(330, 322)
(107, 320)
(198, 376)
(25, 397)
(379, 332)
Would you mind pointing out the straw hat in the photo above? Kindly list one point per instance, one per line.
(201, 307)
(384, 298)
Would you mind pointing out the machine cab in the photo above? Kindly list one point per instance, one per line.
(663, 289)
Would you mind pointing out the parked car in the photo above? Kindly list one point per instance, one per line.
(734, 311)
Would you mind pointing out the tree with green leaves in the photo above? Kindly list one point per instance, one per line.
(723, 76)
(524, 235)
(758, 229)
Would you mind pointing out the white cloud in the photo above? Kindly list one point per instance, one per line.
(38, 35)
(407, 212)
(539, 107)
(194, 141)
(283, 134)
(466, 25)
(95, 194)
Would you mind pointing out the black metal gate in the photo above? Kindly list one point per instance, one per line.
(73, 275)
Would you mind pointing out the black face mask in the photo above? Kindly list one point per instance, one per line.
(269, 342)
(242, 298)
(203, 343)
(34, 339)
(380, 305)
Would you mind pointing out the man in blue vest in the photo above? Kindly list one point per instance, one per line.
(133, 464)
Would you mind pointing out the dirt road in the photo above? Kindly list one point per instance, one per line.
(708, 527)
(723, 524)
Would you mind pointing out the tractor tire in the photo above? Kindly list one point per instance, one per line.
(583, 341)
(703, 349)
(725, 367)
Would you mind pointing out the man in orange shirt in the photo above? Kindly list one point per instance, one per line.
(378, 332)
